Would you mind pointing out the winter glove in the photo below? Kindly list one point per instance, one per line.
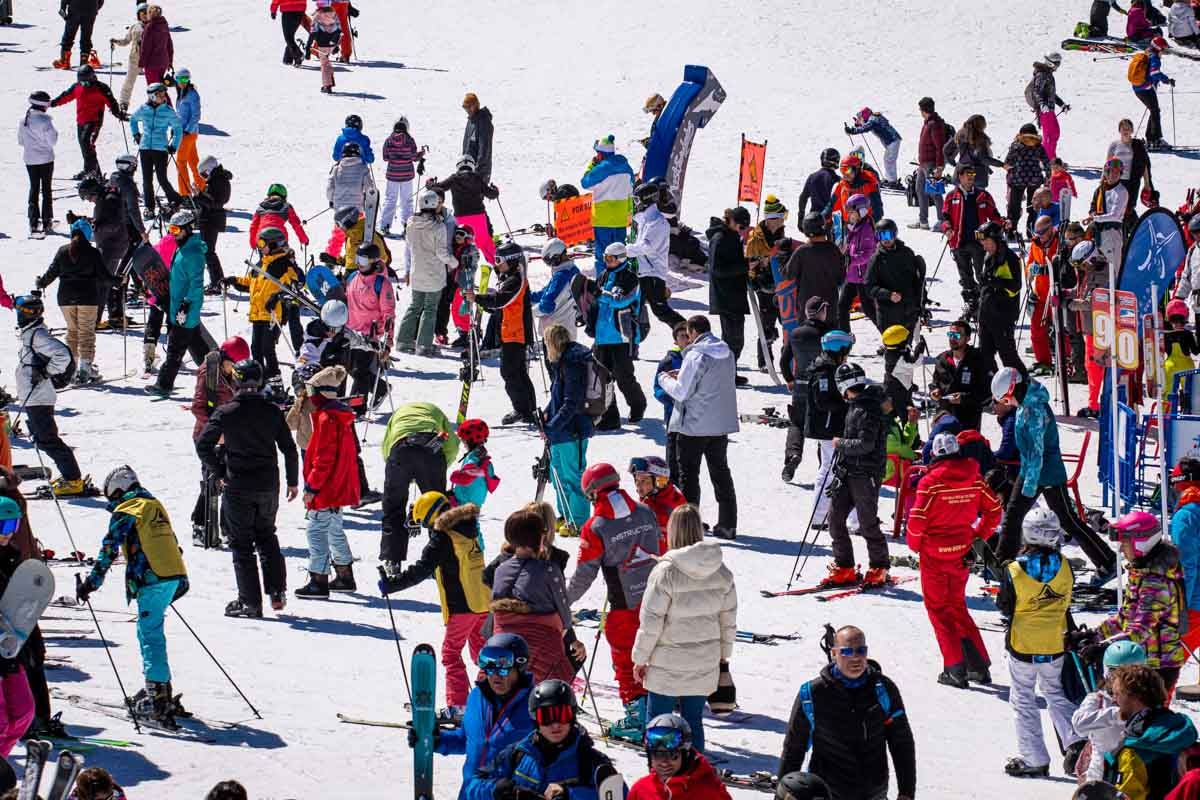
(493, 187)
(1077, 640)
(272, 15)
(1066, 107)
(71, 217)
(328, 259)
(429, 182)
(1171, 82)
(846, 128)
(273, 301)
(412, 736)
(137, 138)
(229, 281)
(83, 588)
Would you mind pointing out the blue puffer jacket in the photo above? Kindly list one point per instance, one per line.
(187, 280)
(622, 280)
(877, 124)
(671, 362)
(1037, 440)
(188, 108)
(546, 298)
(152, 123)
(489, 726)
(363, 141)
(1185, 532)
(565, 419)
(532, 765)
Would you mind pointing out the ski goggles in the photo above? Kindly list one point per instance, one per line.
(847, 652)
(174, 230)
(551, 715)
(885, 235)
(664, 742)
(497, 661)
(8, 527)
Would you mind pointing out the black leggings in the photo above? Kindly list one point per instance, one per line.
(290, 20)
(154, 165)
(40, 176)
(1154, 126)
(262, 347)
(1018, 198)
(846, 300)
(87, 133)
(1063, 506)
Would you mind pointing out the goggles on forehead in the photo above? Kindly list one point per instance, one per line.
(550, 715)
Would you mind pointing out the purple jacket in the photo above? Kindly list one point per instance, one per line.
(1152, 608)
(400, 151)
(860, 246)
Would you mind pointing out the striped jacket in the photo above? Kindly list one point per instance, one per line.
(610, 181)
(400, 151)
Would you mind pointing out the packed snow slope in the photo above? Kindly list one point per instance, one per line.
(793, 73)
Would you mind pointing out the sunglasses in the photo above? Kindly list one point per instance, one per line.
(551, 715)
(846, 652)
(8, 527)
(954, 334)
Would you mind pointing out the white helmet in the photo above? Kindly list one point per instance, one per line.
(120, 481)
(1041, 528)
(428, 200)
(1004, 382)
(943, 445)
(553, 252)
(334, 314)
(465, 161)
(207, 165)
(616, 250)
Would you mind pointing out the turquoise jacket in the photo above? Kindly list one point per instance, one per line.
(152, 123)
(1185, 532)
(1037, 441)
(187, 280)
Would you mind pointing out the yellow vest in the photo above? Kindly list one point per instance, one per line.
(156, 537)
(1040, 612)
(470, 575)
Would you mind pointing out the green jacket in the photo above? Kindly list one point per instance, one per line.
(900, 442)
(413, 418)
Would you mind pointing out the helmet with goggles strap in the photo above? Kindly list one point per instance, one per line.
(667, 734)
(552, 701)
(10, 516)
(503, 653)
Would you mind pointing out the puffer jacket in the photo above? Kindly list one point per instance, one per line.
(359, 138)
(860, 246)
(863, 444)
(1144, 768)
(610, 180)
(157, 126)
(275, 212)
(282, 267)
(467, 190)
(826, 410)
(348, 181)
(41, 355)
(1099, 719)
(1027, 162)
(819, 270)
(330, 458)
(158, 50)
(426, 239)
(564, 415)
(619, 297)
(533, 764)
(453, 557)
(728, 271)
(37, 137)
(952, 209)
(187, 280)
(187, 106)
(688, 621)
(78, 277)
(951, 499)
(932, 141)
(653, 243)
(698, 781)
(133, 40)
(1042, 92)
(1181, 21)
(537, 586)
(704, 390)
(879, 125)
(354, 238)
(1037, 440)
(371, 302)
(490, 724)
(898, 270)
(1185, 533)
(1152, 607)
(90, 102)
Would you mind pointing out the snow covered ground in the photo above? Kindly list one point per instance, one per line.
(793, 72)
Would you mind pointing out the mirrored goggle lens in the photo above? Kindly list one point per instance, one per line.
(664, 739)
(846, 652)
(954, 334)
(496, 659)
(885, 235)
(637, 465)
(8, 527)
(549, 715)
(175, 230)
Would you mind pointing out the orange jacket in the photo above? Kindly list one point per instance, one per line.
(1039, 280)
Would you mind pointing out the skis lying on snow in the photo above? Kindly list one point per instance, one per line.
(802, 591)
(94, 384)
(762, 780)
(120, 711)
(861, 588)
(766, 638)
(65, 773)
(770, 416)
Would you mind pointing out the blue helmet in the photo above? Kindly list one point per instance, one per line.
(1123, 652)
(837, 341)
(506, 650)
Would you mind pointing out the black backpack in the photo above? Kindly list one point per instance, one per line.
(59, 380)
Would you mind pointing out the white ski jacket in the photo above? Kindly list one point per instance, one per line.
(37, 136)
(1099, 719)
(1188, 288)
(704, 390)
(426, 239)
(653, 243)
(38, 346)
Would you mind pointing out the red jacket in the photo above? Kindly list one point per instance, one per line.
(330, 460)
(158, 51)
(951, 496)
(662, 503)
(201, 407)
(952, 209)
(933, 139)
(698, 783)
(264, 218)
(89, 102)
(868, 185)
(288, 5)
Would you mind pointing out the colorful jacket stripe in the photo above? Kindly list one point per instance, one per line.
(611, 183)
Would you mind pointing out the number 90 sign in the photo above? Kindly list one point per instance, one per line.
(1126, 327)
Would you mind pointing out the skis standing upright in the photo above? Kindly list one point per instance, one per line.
(763, 344)
(424, 689)
(1059, 319)
(370, 213)
(470, 369)
(65, 774)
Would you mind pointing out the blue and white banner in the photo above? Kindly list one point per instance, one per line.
(1152, 256)
(690, 108)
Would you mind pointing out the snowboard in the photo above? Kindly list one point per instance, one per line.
(29, 591)
(370, 213)
(149, 267)
(611, 788)
(424, 688)
(763, 344)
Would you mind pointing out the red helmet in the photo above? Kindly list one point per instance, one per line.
(1177, 308)
(473, 432)
(599, 477)
(864, 114)
(852, 161)
(1159, 43)
(235, 349)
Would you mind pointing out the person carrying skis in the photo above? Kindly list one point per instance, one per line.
(961, 378)
(1035, 598)
(511, 299)
(610, 180)
(652, 481)
(1144, 74)
(766, 241)
(431, 263)
(79, 16)
(805, 346)
(214, 388)
(468, 188)
(266, 312)
(37, 137)
(400, 152)
(1042, 250)
(133, 40)
(554, 304)
(819, 185)
(156, 131)
(77, 267)
(868, 121)
(677, 766)
(475, 478)
(276, 212)
(826, 415)
(91, 97)
(349, 179)
(619, 541)
(968, 208)
(140, 531)
(651, 249)
(567, 426)
(187, 160)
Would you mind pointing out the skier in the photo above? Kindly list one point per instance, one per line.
(826, 417)
(856, 180)
(79, 16)
(860, 246)
(968, 208)
(614, 326)
(352, 134)
(157, 54)
(999, 298)
(187, 160)
(77, 266)
(930, 159)
(610, 180)
(620, 541)
(671, 362)
(1041, 93)
(1108, 210)
(805, 343)
(17, 710)
(677, 765)
(557, 754)
(652, 481)
(1182, 23)
(894, 281)
(400, 152)
(349, 179)
(293, 13)
(211, 204)
(350, 226)
(765, 242)
(728, 273)
(1144, 74)
(1035, 596)
(253, 428)
(703, 417)
(819, 185)
(90, 97)
(140, 531)
(567, 426)
(868, 121)
(157, 133)
(42, 359)
(1026, 168)
(214, 388)
(818, 269)
(276, 212)
(651, 249)
(497, 713)
(133, 40)
(554, 304)
(278, 261)
(1092, 268)
(511, 299)
(431, 262)
(1098, 18)
(454, 557)
(961, 378)
(1042, 250)
(477, 138)
(467, 189)
(323, 37)
(37, 137)
(371, 303)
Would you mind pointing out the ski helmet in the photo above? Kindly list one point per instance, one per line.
(121, 480)
(1098, 790)
(895, 335)
(1141, 528)
(1158, 43)
(864, 113)
(504, 652)
(1177, 308)
(126, 162)
(346, 216)
(1193, 226)
(1086, 253)
(990, 230)
(599, 477)
(802, 786)
(830, 157)
(510, 253)
(552, 701)
(1041, 528)
(354, 121)
(248, 375)
(853, 161)
(235, 349)
(334, 314)
(10, 516)
(428, 201)
(429, 507)
(648, 192)
(401, 125)
(465, 162)
(1186, 471)
(271, 238)
(85, 74)
(473, 432)
(859, 203)
(277, 189)
(616, 250)
(649, 465)
(29, 308)
(1005, 382)
(943, 445)
(554, 252)
(850, 376)
(812, 225)
(351, 149)
(90, 187)
(208, 165)
(1122, 652)
(1053, 59)
(155, 88)
(183, 75)
(366, 254)
(547, 189)
(184, 219)
(837, 341)
(669, 732)
(886, 230)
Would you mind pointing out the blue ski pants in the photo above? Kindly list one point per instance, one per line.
(152, 602)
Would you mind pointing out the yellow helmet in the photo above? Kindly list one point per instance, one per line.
(429, 507)
(895, 335)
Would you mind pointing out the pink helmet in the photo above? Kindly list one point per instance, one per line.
(1141, 528)
(864, 114)
(1177, 308)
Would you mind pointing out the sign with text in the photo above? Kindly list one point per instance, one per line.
(573, 219)
(1124, 330)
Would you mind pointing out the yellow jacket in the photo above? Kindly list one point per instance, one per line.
(354, 238)
(280, 265)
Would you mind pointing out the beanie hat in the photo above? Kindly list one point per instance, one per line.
(773, 209)
(328, 378)
(39, 100)
(1028, 128)
(607, 144)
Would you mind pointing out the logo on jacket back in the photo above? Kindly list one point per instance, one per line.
(638, 557)
(1047, 596)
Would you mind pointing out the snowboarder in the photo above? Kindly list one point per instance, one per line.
(37, 137)
(610, 180)
(1042, 95)
(677, 765)
(157, 133)
(91, 97)
(868, 121)
(187, 160)
(400, 152)
(477, 138)
(133, 40)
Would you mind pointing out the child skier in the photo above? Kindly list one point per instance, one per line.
(671, 362)
(1098, 717)
(1060, 179)
(276, 212)
(18, 709)
(352, 134)
(266, 313)
(475, 477)
(1178, 343)
(676, 768)
(400, 152)
(1035, 595)
(860, 244)
(141, 532)
(554, 303)
(325, 33)
(652, 479)
(349, 179)
(868, 121)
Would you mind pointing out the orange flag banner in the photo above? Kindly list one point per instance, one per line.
(750, 176)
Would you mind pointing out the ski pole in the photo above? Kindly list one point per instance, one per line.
(869, 151)
(120, 684)
(811, 519)
(504, 216)
(396, 635)
(587, 674)
(57, 503)
(200, 641)
(1174, 133)
(314, 216)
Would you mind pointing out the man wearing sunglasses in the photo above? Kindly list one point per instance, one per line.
(851, 716)
(999, 298)
(961, 378)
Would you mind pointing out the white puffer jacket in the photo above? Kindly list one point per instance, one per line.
(426, 240)
(688, 621)
(37, 136)
(1099, 719)
(38, 346)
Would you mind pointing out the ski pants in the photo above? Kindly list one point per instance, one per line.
(1022, 695)
(672, 456)
(406, 463)
(846, 300)
(187, 164)
(793, 448)
(35, 673)
(40, 194)
(262, 347)
(1154, 132)
(154, 165)
(482, 229)
(604, 237)
(691, 708)
(1050, 132)
(87, 133)
(690, 451)
(568, 460)
(289, 22)
(968, 259)
(619, 361)
(891, 155)
(248, 522)
(153, 601)
(211, 226)
(342, 8)
(997, 337)
(16, 709)
(81, 331)
(44, 431)
(733, 332)
(327, 541)
(1019, 197)
(83, 26)
(620, 629)
(1041, 326)
(132, 73)
(944, 586)
(821, 481)
(465, 628)
(924, 199)
(514, 369)
(402, 190)
(654, 294)
(420, 319)
(1098, 18)
(367, 380)
(1059, 500)
(858, 493)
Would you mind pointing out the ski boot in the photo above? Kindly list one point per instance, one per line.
(63, 62)
(565, 528)
(724, 699)
(343, 579)
(427, 351)
(840, 576)
(876, 576)
(93, 60)
(149, 351)
(278, 601)
(317, 587)
(154, 704)
(199, 538)
(955, 676)
(1020, 768)
(728, 534)
(789, 469)
(237, 608)
(513, 417)
(1041, 370)
(177, 708)
(156, 390)
(65, 488)
(632, 727)
(47, 728)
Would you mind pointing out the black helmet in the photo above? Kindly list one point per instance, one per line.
(29, 308)
(351, 149)
(510, 252)
(551, 693)
(346, 217)
(1194, 225)
(830, 158)
(886, 224)
(990, 230)
(802, 786)
(849, 376)
(813, 224)
(367, 254)
(273, 238)
(354, 121)
(248, 375)
(90, 187)
(649, 192)
(85, 73)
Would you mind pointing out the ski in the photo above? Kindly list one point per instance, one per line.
(766, 638)
(762, 781)
(120, 710)
(424, 682)
(36, 753)
(45, 492)
(370, 212)
(471, 356)
(92, 384)
(763, 345)
(373, 723)
(65, 773)
(860, 589)
(769, 417)
(806, 590)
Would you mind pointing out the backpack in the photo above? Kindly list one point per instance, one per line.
(598, 392)
(1139, 69)
(881, 694)
(1031, 95)
(949, 130)
(59, 380)
(910, 191)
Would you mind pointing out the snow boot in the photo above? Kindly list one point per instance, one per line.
(633, 727)
(1020, 768)
(199, 539)
(317, 587)
(64, 62)
(82, 374)
(955, 676)
(343, 580)
(237, 608)
(840, 576)
(93, 60)
(876, 576)
(724, 699)
(278, 601)
(149, 351)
